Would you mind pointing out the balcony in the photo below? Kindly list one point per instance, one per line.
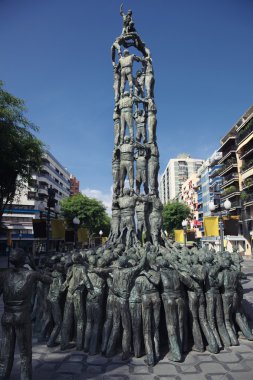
(245, 131)
(229, 140)
(246, 150)
(235, 204)
(226, 155)
(43, 191)
(247, 173)
(230, 166)
(248, 183)
(215, 181)
(230, 192)
(229, 179)
(247, 198)
(46, 178)
(57, 173)
(215, 171)
(248, 164)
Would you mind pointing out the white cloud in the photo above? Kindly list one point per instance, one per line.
(105, 198)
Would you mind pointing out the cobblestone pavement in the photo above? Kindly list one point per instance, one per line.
(235, 363)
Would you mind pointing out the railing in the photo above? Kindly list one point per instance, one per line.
(232, 149)
(229, 190)
(247, 199)
(53, 181)
(248, 182)
(236, 204)
(229, 177)
(245, 131)
(246, 166)
(55, 172)
(216, 170)
(227, 166)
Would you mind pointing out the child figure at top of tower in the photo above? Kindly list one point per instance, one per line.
(128, 24)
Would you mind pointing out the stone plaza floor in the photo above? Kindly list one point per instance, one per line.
(235, 363)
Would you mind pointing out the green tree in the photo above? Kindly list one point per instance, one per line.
(174, 213)
(90, 211)
(20, 150)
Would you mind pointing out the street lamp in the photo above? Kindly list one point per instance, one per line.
(57, 209)
(20, 237)
(184, 225)
(41, 208)
(76, 222)
(227, 207)
(101, 234)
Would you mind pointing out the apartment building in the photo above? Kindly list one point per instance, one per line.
(18, 217)
(74, 185)
(244, 155)
(189, 196)
(177, 171)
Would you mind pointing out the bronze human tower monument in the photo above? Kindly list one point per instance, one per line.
(135, 155)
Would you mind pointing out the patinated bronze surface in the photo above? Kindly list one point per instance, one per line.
(117, 297)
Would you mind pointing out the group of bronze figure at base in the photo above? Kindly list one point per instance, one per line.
(114, 299)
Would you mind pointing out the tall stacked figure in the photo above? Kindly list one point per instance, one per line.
(135, 161)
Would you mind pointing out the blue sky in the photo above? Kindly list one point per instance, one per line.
(55, 54)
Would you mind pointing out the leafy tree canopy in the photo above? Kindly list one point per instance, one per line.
(20, 150)
(174, 213)
(90, 211)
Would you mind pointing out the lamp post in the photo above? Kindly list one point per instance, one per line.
(227, 207)
(57, 210)
(76, 222)
(184, 225)
(51, 204)
(101, 234)
(41, 208)
(20, 237)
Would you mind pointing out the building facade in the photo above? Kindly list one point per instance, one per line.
(74, 185)
(244, 155)
(189, 196)
(177, 171)
(18, 217)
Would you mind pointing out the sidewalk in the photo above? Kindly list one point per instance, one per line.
(235, 363)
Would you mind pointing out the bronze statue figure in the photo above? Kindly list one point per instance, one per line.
(17, 287)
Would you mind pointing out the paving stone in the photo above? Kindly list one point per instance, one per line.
(229, 357)
(77, 358)
(242, 348)
(238, 367)
(97, 360)
(117, 369)
(94, 370)
(143, 377)
(70, 367)
(87, 376)
(249, 362)
(37, 356)
(63, 376)
(210, 368)
(35, 363)
(117, 377)
(200, 376)
(47, 367)
(140, 369)
(164, 369)
(55, 356)
(189, 360)
(246, 376)
(118, 359)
